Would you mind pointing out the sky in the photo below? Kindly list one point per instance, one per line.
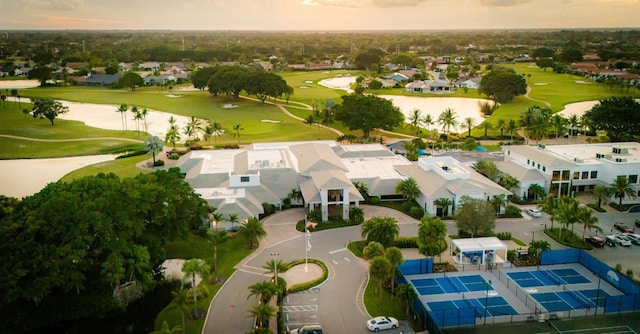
(317, 15)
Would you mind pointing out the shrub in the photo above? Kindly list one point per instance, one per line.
(195, 146)
(416, 212)
(406, 206)
(158, 163)
(268, 209)
(404, 242)
(595, 207)
(512, 212)
(132, 154)
(375, 200)
(308, 285)
(314, 216)
(356, 216)
(504, 235)
(173, 155)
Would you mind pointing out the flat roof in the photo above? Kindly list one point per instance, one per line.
(381, 167)
(586, 153)
(478, 244)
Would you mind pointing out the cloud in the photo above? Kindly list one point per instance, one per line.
(364, 3)
(502, 3)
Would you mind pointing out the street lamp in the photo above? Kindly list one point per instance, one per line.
(275, 266)
(486, 301)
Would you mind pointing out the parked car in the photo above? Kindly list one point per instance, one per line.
(634, 238)
(637, 222)
(382, 323)
(308, 329)
(622, 240)
(535, 213)
(610, 240)
(623, 228)
(595, 241)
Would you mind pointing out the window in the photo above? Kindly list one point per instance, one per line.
(594, 174)
(585, 175)
(528, 162)
(633, 178)
(576, 175)
(244, 179)
(565, 175)
(544, 169)
(556, 175)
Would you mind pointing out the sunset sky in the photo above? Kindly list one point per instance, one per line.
(317, 14)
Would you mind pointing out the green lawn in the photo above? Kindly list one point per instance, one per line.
(230, 253)
(122, 167)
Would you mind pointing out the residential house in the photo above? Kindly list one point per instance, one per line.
(471, 83)
(77, 65)
(154, 80)
(398, 77)
(566, 169)
(99, 80)
(428, 86)
(153, 66)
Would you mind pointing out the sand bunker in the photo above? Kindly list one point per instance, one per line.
(269, 121)
(582, 82)
(303, 87)
(540, 83)
(229, 105)
(18, 84)
(308, 81)
(171, 95)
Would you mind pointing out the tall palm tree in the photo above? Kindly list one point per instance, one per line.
(447, 119)
(208, 132)
(181, 302)
(415, 119)
(236, 131)
(621, 188)
(122, 109)
(549, 205)
(216, 238)
(372, 249)
(444, 204)
(144, 114)
(263, 291)
(274, 267)
(600, 192)
(407, 294)
(137, 117)
(468, 124)
(567, 212)
(559, 124)
(327, 116)
(233, 218)
(381, 229)
(262, 313)
(394, 255)
(586, 218)
(408, 188)
(310, 120)
(193, 268)
(536, 247)
(252, 231)
(427, 120)
(296, 196)
(512, 126)
(486, 125)
(536, 190)
(501, 126)
(574, 121)
(193, 129)
(380, 269)
(172, 136)
(498, 201)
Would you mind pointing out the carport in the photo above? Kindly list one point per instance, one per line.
(478, 251)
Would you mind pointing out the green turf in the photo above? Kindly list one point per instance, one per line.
(122, 167)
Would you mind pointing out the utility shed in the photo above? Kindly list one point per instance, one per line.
(478, 251)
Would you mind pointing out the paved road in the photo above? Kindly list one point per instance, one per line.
(337, 303)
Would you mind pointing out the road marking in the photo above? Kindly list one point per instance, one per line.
(337, 250)
(334, 261)
(299, 308)
(347, 259)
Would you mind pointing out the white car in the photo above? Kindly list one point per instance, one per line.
(622, 240)
(382, 323)
(535, 213)
(634, 238)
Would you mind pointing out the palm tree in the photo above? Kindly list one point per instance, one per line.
(447, 119)
(172, 136)
(166, 330)
(443, 204)
(574, 121)
(380, 269)
(233, 218)
(217, 132)
(501, 125)
(408, 188)
(537, 128)
(217, 237)
(549, 205)
(407, 294)
(372, 249)
(326, 117)
(180, 301)
(274, 267)
(310, 120)
(621, 188)
(512, 126)
(468, 124)
(136, 118)
(252, 231)
(144, 114)
(536, 191)
(600, 192)
(381, 229)
(262, 313)
(236, 131)
(508, 182)
(122, 109)
(498, 201)
(263, 291)
(296, 196)
(536, 247)
(586, 218)
(559, 124)
(208, 132)
(486, 125)
(193, 268)
(193, 129)
(427, 121)
(394, 255)
(415, 119)
(153, 144)
(567, 212)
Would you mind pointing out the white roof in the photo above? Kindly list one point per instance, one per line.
(478, 244)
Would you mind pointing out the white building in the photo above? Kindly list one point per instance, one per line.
(564, 169)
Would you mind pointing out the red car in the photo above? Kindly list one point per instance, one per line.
(595, 241)
(623, 228)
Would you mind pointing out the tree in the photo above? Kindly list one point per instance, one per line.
(427, 121)
(193, 268)
(600, 192)
(40, 73)
(122, 109)
(296, 196)
(180, 300)
(559, 124)
(47, 108)
(193, 129)
(476, 217)
(588, 221)
(415, 119)
(469, 144)
(567, 212)
(536, 247)
(380, 269)
(447, 119)
(236, 131)
(173, 135)
(263, 291)
(265, 84)
(443, 204)
(310, 120)
(216, 238)
(230, 80)
(137, 117)
(408, 188)
(501, 126)
(407, 294)
(200, 77)
(372, 249)
(367, 113)
(131, 80)
(486, 125)
(369, 60)
(468, 124)
(394, 255)
(153, 144)
(549, 205)
(252, 231)
(536, 191)
(233, 218)
(262, 313)
(431, 234)
(512, 126)
(381, 229)
(543, 52)
(621, 188)
(274, 267)
(618, 116)
(574, 122)
(502, 84)
(498, 201)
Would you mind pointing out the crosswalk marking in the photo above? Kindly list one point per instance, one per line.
(299, 308)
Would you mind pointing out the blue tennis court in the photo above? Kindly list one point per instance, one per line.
(570, 299)
(496, 306)
(450, 284)
(528, 279)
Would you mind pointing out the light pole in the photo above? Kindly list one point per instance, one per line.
(486, 301)
(275, 266)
